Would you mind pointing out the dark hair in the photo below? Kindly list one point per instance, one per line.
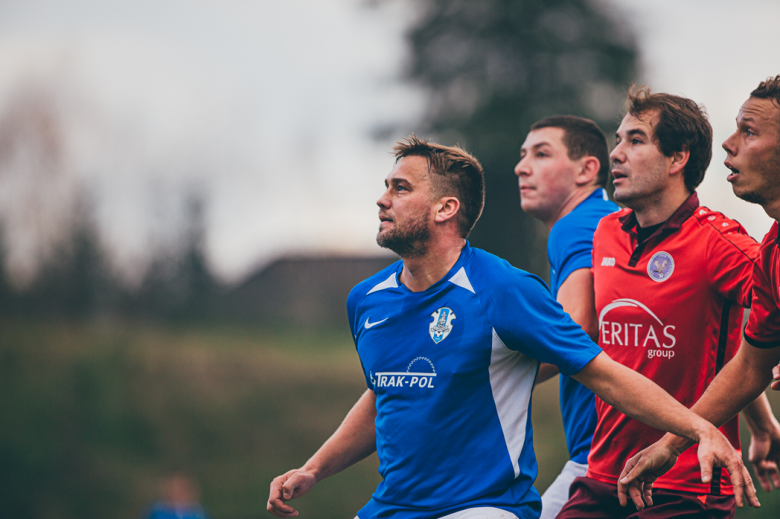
(454, 172)
(682, 125)
(769, 89)
(582, 137)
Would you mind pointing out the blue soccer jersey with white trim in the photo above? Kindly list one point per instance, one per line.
(453, 368)
(569, 248)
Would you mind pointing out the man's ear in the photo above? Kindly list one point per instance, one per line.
(589, 171)
(679, 160)
(446, 208)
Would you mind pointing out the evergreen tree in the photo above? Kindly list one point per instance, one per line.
(492, 68)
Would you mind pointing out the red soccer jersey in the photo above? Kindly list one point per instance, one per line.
(669, 308)
(763, 327)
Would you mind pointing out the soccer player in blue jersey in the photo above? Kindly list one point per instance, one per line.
(563, 169)
(450, 340)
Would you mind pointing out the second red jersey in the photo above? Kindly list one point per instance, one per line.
(763, 328)
(670, 308)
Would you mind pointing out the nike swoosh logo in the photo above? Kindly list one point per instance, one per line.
(370, 325)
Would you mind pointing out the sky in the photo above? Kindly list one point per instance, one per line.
(266, 110)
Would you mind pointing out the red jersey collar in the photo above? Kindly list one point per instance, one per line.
(629, 223)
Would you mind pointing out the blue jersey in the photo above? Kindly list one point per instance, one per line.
(453, 368)
(569, 248)
(164, 510)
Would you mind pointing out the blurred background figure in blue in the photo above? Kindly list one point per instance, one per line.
(180, 499)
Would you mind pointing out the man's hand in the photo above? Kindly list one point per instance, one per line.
(764, 453)
(353, 440)
(286, 487)
(643, 469)
(776, 378)
(714, 450)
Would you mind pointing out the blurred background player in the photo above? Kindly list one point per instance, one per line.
(671, 279)
(563, 169)
(753, 156)
(180, 499)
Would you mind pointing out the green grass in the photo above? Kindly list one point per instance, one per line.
(92, 416)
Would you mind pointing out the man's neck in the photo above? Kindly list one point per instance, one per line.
(575, 199)
(423, 272)
(660, 207)
(773, 209)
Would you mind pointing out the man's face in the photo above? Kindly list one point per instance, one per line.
(546, 175)
(753, 152)
(405, 208)
(639, 169)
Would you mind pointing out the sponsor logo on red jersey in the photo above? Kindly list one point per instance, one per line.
(656, 337)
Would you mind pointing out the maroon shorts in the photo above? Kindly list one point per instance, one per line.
(592, 499)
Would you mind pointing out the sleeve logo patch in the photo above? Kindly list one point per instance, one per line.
(441, 326)
(660, 266)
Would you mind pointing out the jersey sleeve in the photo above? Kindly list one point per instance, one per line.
(763, 327)
(526, 318)
(569, 247)
(731, 254)
(353, 299)
(352, 302)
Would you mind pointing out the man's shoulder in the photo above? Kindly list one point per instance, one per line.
(611, 222)
(719, 239)
(491, 273)
(721, 228)
(717, 221)
(583, 220)
(385, 278)
(769, 243)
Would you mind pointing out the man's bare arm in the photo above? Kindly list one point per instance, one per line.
(764, 433)
(578, 300)
(641, 399)
(354, 440)
(738, 384)
(546, 372)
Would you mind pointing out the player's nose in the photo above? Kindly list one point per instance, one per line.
(522, 168)
(729, 144)
(617, 155)
(384, 200)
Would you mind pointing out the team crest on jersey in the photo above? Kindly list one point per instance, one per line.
(441, 326)
(660, 266)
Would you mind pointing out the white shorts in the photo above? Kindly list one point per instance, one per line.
(558, 492)
(484, 512)
(479, 513)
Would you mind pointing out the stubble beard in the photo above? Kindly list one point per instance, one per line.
(410, 242)
(645, 191)
(753, 197)
(760, 195)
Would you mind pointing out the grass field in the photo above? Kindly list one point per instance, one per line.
(92, 416)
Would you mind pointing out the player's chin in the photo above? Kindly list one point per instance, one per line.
(622, 194)
(528, 203)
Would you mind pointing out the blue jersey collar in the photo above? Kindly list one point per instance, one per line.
(598, 193)
(465, 254)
